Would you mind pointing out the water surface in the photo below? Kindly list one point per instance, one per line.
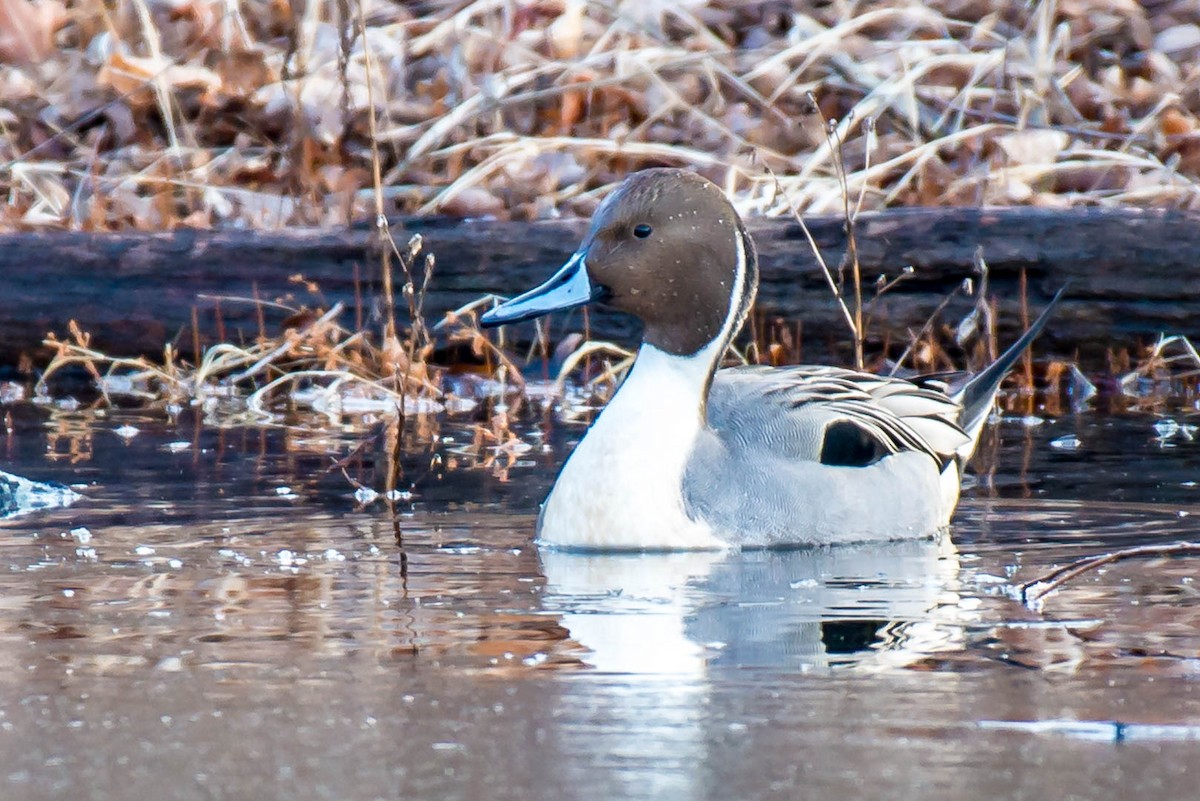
(222, 617)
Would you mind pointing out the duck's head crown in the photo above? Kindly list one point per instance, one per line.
(666, 246)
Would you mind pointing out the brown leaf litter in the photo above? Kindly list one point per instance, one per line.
(161, 113)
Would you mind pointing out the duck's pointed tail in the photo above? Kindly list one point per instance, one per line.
(976, 396)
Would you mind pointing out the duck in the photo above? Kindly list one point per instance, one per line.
(689, 456)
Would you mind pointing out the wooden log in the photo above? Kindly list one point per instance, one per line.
(1133, 275)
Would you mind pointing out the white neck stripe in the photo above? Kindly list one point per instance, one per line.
(733, 319)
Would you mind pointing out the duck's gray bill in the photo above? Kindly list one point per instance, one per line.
(566, 289)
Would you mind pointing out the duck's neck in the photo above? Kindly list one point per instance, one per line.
(673, 384)
(698, 327)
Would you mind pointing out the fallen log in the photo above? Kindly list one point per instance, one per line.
(1133, 275)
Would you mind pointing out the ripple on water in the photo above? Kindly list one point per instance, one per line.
(186, 586)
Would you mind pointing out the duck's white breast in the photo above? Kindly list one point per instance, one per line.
(622, 486)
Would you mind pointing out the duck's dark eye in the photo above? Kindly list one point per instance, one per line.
(641, 231)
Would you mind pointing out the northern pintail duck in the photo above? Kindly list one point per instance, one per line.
(687, 456)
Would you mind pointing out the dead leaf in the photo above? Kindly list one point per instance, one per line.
(473, 202)
(565, 34)
(1033, 146)
(1178, 38)
(129, 75)
(241, 72)
(27, 29)
(1174, 122)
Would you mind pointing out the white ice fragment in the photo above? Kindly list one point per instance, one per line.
(1067, 443)
(174, 564)
(456, 405)
(399, 495)
(365, 495)
(803, 584)
(286, 557)
(19, 495)
(334, 555)
(1032, 421)
(178, 446)
(1166, 428)
(144, 550)
(1082, 390)
(116, 384)
(422, 406)
(81, 535)
(545, 392)
(127, 432)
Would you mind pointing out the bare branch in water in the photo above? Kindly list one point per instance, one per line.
(1030, 592)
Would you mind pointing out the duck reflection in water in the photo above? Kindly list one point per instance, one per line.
(874, 605)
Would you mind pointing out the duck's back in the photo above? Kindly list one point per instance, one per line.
(818, 455)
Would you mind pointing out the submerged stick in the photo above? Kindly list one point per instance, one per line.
(1034, 590)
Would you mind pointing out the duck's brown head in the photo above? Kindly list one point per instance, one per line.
(665, 246)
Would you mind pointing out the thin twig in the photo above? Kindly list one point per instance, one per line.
(836, 148)
(1032, 591)
(924, 329)
(287, 344)
(812, 244)
(394, 433)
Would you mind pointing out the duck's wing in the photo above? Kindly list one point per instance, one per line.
(831, 415)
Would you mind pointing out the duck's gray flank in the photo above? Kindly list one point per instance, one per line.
(768, 427)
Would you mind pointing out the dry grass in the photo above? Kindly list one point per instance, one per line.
(144, 114)
(205, 113)
(318, 363)
(326, 374)
(346, 389)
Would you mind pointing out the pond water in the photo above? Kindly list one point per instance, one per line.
(222, 618)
